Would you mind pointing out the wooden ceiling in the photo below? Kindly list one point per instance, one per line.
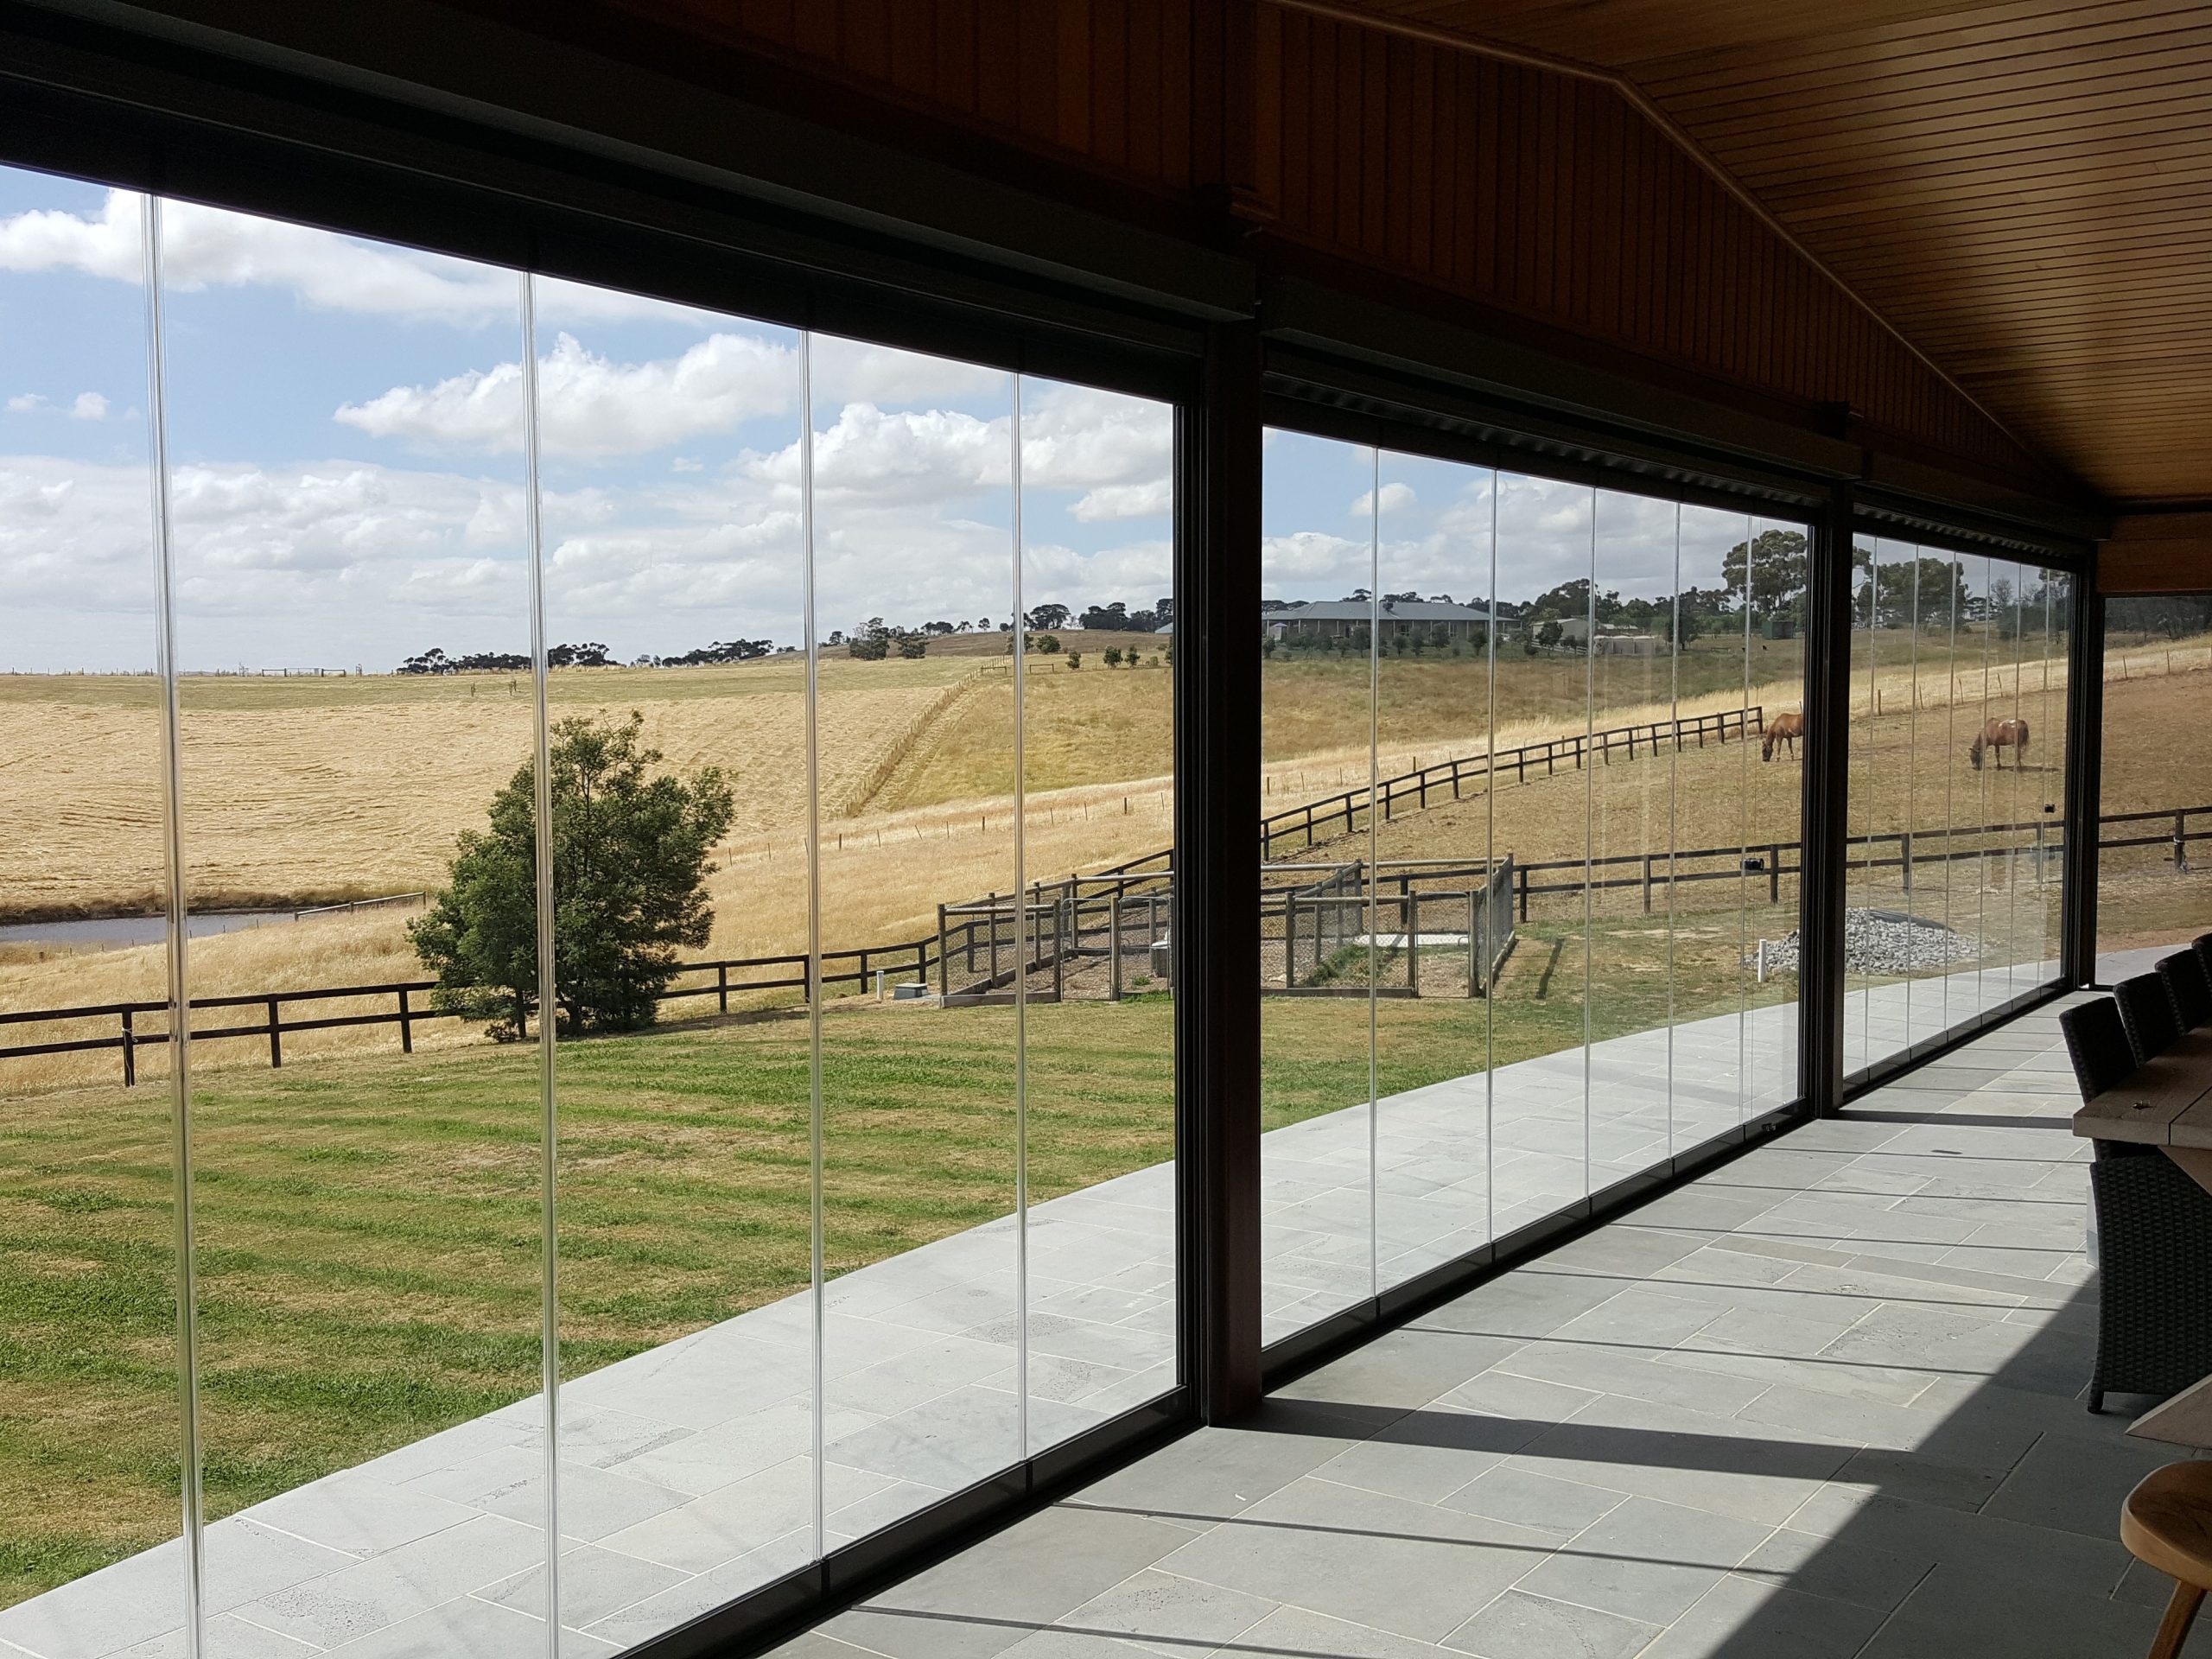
(2024, 189)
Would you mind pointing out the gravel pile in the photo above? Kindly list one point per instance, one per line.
(1883, 942)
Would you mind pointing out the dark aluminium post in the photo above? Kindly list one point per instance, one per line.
(1826, 790)
(1216, 919)
(2085, 731)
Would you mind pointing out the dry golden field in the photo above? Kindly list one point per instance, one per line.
(304, 789)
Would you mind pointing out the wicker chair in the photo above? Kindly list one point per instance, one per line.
(2187, 988)
(2154, 1291)
(2148, 1014)
(2203, 946)
(2096, 1042)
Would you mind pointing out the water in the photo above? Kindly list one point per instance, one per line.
(115, 932)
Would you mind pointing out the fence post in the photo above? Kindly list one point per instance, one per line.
(722, 984)
(276, 1040)
(1060, 946)
(1474, 940)
(1646, 884)
(1409, 917)
(1774, 873)
(129, 1052)
(406, 1024)
(1114, 946)
(2181, 843)
(1289, 938)
(1904, 843)
(943, 958)
(1522, 877)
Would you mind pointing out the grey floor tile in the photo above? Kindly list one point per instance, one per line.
(1738, 1618)
(1518, 1626)
(468, 1629)
(1406, 1567)
(594, 1584)
(1958, 1611)
(1646, 1561)
(1298, 1633)
(1835, 1569)
(1525, 1499)
(1168, 1614)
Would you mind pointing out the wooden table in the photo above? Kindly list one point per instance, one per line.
(2167, 1104)
(2185, 1420)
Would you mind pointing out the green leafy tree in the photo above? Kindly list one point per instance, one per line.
(631, 857)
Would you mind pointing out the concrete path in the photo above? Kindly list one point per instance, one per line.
(686, 1471)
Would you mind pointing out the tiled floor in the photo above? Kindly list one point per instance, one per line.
(687, 1473)
(1823, 1401)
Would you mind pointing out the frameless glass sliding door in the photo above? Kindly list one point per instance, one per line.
(92, 1468)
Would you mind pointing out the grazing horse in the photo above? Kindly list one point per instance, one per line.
(2010, 733)
(1783, 729)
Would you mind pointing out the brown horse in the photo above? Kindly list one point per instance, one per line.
(2010, 733)
(1783, 729)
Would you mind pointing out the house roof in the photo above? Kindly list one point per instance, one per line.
(1359, 610)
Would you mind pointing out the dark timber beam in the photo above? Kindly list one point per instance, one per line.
(1826, 792)
(1216, 928)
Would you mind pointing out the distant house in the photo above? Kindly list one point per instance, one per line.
(1613, 640)
(1332, 619)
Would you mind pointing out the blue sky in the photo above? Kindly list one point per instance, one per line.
(345, 443)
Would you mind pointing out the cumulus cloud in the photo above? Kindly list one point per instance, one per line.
(204, 247)
(1394, 497)
(25, 403)
(589, 406)
(89, 406)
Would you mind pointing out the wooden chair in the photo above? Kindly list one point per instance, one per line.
(2166, 1524)
(2096, 1042)
(2148, 1014)
(2187, 988)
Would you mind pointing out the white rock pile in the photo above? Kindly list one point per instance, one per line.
(1881, 942)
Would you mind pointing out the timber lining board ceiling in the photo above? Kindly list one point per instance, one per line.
(2024, 189)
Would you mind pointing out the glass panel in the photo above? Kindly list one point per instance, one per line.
(1930, 760)
(1631, 832)
(1441, 899)
(346, 436)
(90, 1425)
(1098, 766)
(1976, 911)
(1865, 882)
(676, 688)
(1317, 734)
(1540, 730)
(1709, 938)
(1775, 812)
(914, 527)
(2154, 881)
(2056, 619)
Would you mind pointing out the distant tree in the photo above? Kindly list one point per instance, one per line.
(631, 857)
(1049, 644)
(872, 642)
(593, 656)
(1075, 659)
(1110, 619)
(938, 628)
(1548, 635)
(1113, 656)
(914, 644)
(1776, 558)
(1047, 617)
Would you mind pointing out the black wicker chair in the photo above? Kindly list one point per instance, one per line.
(2148, 1014)
(2203, 946)
(2154, 1274)
(2096, 1042)
(2187, 988)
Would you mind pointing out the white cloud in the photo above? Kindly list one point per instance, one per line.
(1395, 497)
(204, 247)
(590, 407)
(25, 403)
(89, 406)
(1145, 501)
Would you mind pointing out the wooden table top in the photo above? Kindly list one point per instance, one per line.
(2165, 1104)
(2185, 1420)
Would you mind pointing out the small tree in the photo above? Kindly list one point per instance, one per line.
(630, 862)
(1048, 644)
(1113, 656)
(914, 644)
(1075, 659)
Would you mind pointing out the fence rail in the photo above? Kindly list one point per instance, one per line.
(1089, 918)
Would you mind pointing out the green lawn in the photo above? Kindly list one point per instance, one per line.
(368, 1229)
